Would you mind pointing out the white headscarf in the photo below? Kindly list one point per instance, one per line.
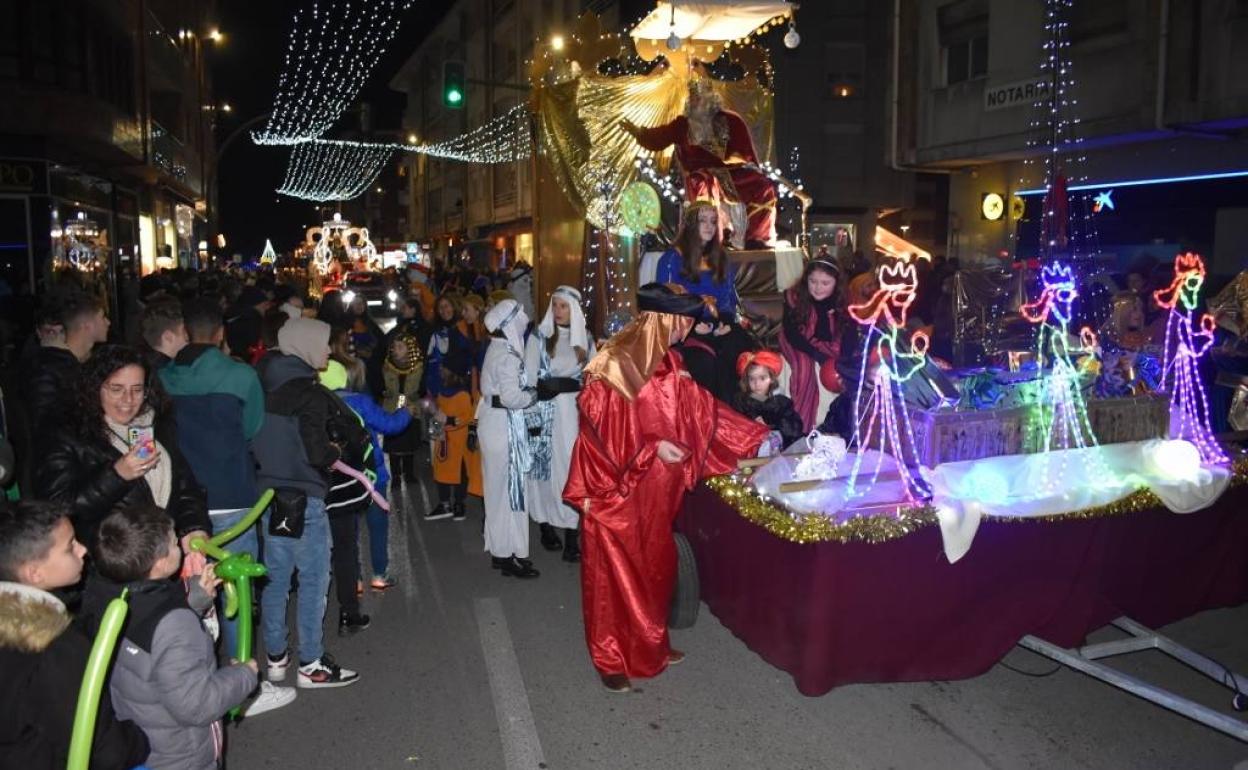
(508, 316)
(576, 324)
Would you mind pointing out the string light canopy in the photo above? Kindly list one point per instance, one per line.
(333, 169)
(502, 140)
(334, 46)
(327, 170)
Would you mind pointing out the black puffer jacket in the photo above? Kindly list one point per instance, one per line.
(43, 654)
(77, 470)
(46, 386)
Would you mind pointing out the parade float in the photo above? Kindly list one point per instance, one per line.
(1041, 467)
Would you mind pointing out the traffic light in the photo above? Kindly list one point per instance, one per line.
(453, 84)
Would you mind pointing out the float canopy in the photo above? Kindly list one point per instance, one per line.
(713, 21)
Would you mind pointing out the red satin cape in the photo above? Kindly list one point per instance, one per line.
(629, 500)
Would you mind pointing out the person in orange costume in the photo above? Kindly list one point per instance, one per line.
(647, 433)
(449, 379)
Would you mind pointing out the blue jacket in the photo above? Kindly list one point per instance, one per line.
(219, 407)
(379, 423)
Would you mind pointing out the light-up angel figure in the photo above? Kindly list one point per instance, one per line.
(1063, 413)
(883, 418)
(1189, 406)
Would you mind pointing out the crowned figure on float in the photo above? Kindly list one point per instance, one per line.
(883, 420)
(717, 157)
(1063, 412)
(1184, 346)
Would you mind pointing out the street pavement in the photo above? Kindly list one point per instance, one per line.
(463, 668)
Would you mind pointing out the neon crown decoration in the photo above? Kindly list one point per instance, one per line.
(1189, 276)
(1058, 276)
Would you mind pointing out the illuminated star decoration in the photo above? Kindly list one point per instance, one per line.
(1103, 201)
(885, 411)
(1189, 406)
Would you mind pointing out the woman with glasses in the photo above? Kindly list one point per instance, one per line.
(113, 451)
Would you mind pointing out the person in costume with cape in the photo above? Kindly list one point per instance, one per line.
(647, 433)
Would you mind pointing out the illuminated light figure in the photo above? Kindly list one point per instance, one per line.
(1189, 406)
(1063, 413)
(884, 417)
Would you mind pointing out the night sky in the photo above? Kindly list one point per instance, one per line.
(245, 71)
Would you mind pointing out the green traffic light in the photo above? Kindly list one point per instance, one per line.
(454, 96)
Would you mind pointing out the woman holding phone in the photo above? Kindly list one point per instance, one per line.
(118, 452)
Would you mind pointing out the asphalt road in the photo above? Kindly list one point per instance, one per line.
(462, 668)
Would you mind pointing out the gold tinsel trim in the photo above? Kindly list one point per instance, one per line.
(880, 527)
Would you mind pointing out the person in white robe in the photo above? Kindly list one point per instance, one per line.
(554, 357)
(505, 452)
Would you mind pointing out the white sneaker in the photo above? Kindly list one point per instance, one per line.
(277, 668)
(270, 697)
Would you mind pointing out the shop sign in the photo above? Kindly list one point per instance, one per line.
(1021, 93)
(22, 176)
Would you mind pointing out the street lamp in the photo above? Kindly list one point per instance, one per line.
(556, 43)
(216, 36)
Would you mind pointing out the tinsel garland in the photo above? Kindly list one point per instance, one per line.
(734, 489)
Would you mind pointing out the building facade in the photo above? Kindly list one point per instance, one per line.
(1161, 106)
(108, 135)
(833, 109)
(484, 208)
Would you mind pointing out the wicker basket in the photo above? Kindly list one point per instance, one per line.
(945, 436)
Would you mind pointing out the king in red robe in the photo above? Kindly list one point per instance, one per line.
(648, 433)
(717, 155)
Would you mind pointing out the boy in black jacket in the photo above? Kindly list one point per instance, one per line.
(43, 652)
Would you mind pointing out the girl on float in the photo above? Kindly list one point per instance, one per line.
(698, 263)
(810, 338)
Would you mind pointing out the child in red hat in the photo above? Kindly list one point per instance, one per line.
(759, 371)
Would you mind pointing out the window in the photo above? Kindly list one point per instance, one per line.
(1103, 18)
(964, 40)
(846, 63)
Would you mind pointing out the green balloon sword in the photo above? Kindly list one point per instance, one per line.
(236, 572)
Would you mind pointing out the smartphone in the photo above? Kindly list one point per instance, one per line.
(145, 440)
(402, 401)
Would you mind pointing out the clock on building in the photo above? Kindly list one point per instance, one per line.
(992, 206)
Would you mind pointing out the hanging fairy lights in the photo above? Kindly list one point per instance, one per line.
(335, 169)
(502, 140)
(327, 170)
(333, 47)
(668, 186)
(1067, 227)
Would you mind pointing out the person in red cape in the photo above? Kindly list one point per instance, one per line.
(647, 433)
(714, 148)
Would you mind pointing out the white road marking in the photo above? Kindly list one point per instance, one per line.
(522, 749)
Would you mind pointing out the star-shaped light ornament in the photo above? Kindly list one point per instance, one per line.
(1103, 201)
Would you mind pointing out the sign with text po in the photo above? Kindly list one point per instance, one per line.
(1022, 93)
